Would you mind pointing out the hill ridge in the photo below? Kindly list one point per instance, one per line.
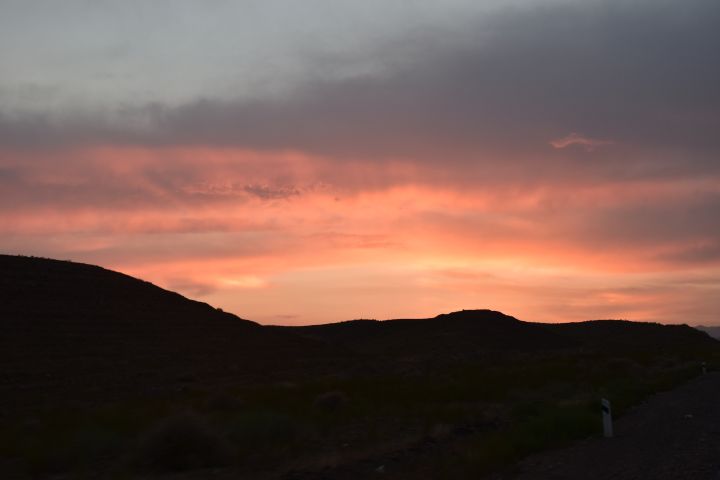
(78, 321)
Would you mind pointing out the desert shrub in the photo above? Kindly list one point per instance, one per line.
(330, 401)
(224, 402)
(261, 429)
(539, 426)
(58, 452)
(182, 442)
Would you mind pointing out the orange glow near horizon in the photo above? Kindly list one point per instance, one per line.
(289, 238)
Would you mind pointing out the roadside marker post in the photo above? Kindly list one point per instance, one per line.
(607, 419)
(704, 368)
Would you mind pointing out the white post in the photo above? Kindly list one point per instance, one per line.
(607, 418)
(704, 368)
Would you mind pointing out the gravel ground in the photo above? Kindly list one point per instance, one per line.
(674, 435)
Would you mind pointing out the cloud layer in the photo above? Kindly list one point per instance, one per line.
(558, 162)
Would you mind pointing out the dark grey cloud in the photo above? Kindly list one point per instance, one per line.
(640, 74)
(653, 223)
(637, 73)
(164, 186)
(268, 192)
(8, 174)
(702, 254)
(42, 130)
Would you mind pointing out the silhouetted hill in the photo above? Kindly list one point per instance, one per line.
(39, 288)
(464, 333)
(623, 335)
(712, 331)
(454, 334)
(71, 325)
(68, 327)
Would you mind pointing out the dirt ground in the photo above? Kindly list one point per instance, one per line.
(674, 435)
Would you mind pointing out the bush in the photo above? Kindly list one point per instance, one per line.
(224, 403)
(263, 429)
(53, 453)
(182, 442)
(330, 401)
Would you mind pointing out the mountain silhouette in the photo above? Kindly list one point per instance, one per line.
(472, 333)
(713, 331)
(73, 330)
(453, 334)
(71, 326)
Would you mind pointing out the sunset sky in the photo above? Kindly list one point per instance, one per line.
(321, 160)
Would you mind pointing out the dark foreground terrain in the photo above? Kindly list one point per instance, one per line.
(675, 435)
(104, 375)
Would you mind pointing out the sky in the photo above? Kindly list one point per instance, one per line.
(299, 162)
